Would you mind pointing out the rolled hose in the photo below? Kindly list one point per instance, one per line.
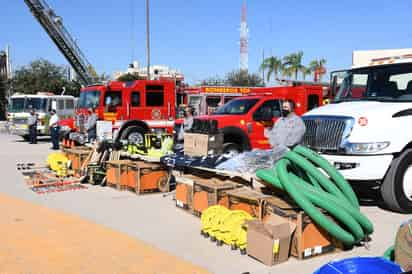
(301, 173)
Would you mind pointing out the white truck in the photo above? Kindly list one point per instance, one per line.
(21, 104)
(366, 131)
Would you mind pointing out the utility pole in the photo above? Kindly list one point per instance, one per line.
(148, 39)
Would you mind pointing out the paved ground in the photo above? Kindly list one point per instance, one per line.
(155, 220)
(41, 240)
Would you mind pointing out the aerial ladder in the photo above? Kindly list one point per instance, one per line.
(54, 27)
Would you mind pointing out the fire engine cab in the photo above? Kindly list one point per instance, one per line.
(243, 119)
(135, 107)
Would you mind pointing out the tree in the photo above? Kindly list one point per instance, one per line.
(243, 78)
(317, 67)
(292, 64)
(273, 65)
(128, 77)
(43, 76)
(305, 72)
(213, 81)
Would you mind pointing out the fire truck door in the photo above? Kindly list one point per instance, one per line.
(135, 105)
(264, 116)
(113, 109)
(156, 103)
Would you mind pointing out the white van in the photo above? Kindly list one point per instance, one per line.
(21, 104)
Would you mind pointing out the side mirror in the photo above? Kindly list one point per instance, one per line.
(333, 86)
(54, 105)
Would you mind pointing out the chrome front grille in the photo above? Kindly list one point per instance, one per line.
(326, 133)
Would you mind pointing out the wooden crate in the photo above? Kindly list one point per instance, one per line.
(309, 240)
(210, 191)
(146, 177)
(246, 199)
(184, 190)
(117, 173)
(77, 156)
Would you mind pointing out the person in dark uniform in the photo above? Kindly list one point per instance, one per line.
(32, 124)
(91, 125)
(54, 129)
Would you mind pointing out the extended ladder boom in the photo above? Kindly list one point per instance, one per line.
(54, 27)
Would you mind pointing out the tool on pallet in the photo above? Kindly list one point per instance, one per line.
(93, 169)
(29, 166)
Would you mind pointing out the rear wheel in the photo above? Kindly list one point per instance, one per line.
(133, 134)
(231, 150)
(26, 137)
(396, 189)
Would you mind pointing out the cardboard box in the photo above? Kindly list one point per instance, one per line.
(196, 144)
(309, 239)
(269, 242)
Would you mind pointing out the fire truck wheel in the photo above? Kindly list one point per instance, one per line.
(133, 134)
(231, 149)
(396, 189)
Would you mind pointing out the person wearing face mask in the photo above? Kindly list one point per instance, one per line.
(288, 130)
(187, 123)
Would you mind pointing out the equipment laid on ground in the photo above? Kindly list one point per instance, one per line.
(297, 173)
(225, 226)
(45, 179)
(210, 191)
(58, 186)
(155, 145)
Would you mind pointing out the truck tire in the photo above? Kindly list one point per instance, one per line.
(133, 134)
(231, 149)
(396, 189)
(26, 138)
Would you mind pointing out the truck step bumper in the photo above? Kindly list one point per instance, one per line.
(361, 168)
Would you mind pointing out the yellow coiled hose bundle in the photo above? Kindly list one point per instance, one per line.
(225, 226)
(58, 162)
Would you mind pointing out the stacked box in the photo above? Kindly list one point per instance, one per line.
(196, 144)
(309, 239)
(246, 199)
(209, 192)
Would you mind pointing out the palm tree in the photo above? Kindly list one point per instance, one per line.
(292, 64)
(317, 67)
(305, 72)
(273, 65)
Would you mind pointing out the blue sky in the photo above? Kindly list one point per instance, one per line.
(201, 38)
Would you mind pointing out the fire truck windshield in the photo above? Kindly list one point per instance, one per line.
(237, 106)
(381, 83)
(27, 103)
(89, 99)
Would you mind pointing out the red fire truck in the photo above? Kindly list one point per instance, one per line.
(135, 108)
(206, 99)
(242, 120)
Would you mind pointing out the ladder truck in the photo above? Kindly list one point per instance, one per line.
(54, 27)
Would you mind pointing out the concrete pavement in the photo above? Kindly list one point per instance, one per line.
(156, 221)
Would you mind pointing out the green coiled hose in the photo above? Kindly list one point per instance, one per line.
(314, 183)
